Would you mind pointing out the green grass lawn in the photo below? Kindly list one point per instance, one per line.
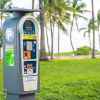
(70, 80)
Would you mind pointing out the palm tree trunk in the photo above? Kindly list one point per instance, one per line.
(47, 38)
(76, 22)
(58, 40)
(93, 50)
(99, 34)
(71, 42)
(51, 27)
(89, 39)
(99, 40)
(42, 40)
(1, 18)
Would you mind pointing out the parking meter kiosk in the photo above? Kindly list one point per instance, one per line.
(21, 57)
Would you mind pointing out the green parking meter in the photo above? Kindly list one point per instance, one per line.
(21, 56)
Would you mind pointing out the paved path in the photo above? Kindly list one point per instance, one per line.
(73, 57)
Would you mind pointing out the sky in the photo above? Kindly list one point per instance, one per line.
(25, 3)
(78, 39)
(64, 39)
(96, 5)
(28, 3)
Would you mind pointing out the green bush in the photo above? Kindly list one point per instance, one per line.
(83, 51)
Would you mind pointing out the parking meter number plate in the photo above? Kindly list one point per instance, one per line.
(30, 83)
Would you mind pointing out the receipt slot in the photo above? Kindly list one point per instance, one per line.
(21, 74)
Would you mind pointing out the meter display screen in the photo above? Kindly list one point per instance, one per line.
(29, 45)
(29, 48)
(29, 27)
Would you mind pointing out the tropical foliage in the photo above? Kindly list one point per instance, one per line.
(87, 30)
(78, 8)
(56, 13)
(2, 3)
(60, 14)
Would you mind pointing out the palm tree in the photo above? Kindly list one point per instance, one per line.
(62, 18)
(93, 51)
(55, 13)
(88, 29)
(2, 4)
(98, 23)
(47, 39)
(1, 41)
(98, 19)
(42, 24)
(47, 17)
(77, 11)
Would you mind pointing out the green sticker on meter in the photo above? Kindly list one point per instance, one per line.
(9, 57)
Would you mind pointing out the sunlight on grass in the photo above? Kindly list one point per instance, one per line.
(68, 80)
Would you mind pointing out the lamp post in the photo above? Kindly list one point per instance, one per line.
(93, 18)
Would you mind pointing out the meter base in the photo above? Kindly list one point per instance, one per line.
(21, 97)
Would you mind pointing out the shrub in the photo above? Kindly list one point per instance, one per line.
(83, 50)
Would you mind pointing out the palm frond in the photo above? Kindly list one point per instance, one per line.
(81, 16)
(62, 27)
